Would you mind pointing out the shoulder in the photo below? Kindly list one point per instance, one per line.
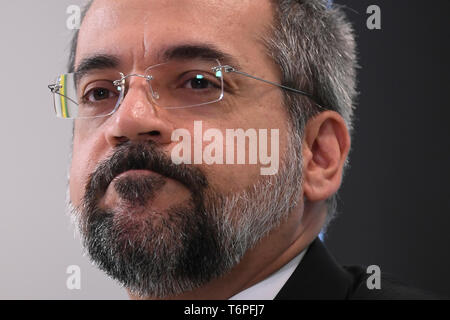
(388, 288)
(320, 277)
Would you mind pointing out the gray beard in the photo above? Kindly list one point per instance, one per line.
(172, 252)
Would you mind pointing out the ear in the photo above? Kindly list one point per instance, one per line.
(326, 145)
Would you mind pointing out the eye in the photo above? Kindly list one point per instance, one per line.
(199, 81)
(99, 92)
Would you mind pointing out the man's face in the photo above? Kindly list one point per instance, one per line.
(163, 202)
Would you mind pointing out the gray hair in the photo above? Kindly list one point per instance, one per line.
(314, 46)
(313, 43)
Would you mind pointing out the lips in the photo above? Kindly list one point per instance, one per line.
(134, 173)
(136, 187)
(139, 160)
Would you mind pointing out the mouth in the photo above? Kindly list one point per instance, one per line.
(135, 173)
(135, 187)
(137, 167)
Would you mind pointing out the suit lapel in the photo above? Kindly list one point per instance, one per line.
(318, 276)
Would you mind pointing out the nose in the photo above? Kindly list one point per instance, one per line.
(137, 119)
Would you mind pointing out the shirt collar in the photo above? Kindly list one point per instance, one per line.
(268, 288)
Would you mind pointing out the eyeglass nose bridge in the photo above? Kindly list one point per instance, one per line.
(121, 81)
(120, 84)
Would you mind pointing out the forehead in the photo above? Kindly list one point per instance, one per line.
(135, 30)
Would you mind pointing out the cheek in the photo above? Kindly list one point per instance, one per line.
(228, 178)
(82, 165)
(75, 185)
(237, 177)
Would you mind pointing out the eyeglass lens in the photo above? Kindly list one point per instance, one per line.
(175, 84)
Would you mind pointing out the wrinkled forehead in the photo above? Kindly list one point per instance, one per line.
(135, 31)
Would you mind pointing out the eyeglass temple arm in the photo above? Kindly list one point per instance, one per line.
(54, 88)
(232, 69)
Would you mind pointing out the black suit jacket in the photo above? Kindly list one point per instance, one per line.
(320, 277)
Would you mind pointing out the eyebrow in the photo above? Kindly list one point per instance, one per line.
(197, 51)
(97, 62)
(183, 51)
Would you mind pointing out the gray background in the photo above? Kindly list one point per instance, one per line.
(394, 203)
(37, 242)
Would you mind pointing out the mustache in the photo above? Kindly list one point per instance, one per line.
(141, 156)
